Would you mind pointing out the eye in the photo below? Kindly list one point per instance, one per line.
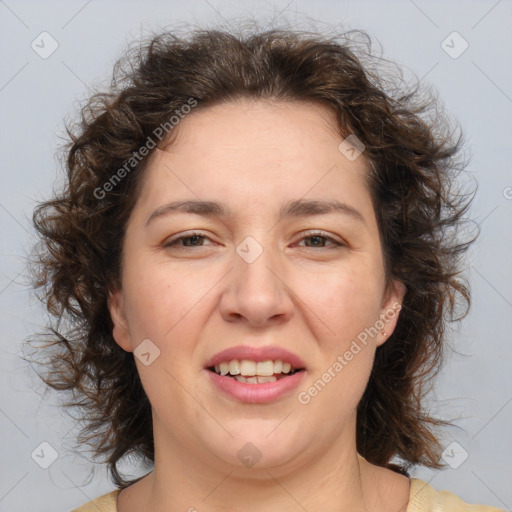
(319, 238)
(196, 239)
(190, 240)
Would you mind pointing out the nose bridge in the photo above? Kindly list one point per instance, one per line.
(254, 263)
(255, 290)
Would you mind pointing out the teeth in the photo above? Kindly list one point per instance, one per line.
(247, 368)
(265, 368)
(255, 380)
(234, 367)
(224, 368)
(270, 378)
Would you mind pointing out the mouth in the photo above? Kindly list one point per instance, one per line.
(255, 372)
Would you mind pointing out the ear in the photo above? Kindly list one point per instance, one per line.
(390, 310)
(120, 330)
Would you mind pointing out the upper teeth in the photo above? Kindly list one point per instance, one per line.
(252, 368)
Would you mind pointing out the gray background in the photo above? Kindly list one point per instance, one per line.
(36, 94)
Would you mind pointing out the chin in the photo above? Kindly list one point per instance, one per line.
(258, 444)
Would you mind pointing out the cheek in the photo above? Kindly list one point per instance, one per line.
(160, 297)
(163, 305)
(348, 305)
(345, 301)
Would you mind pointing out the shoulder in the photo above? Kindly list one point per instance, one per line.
(105, 503)
(424, 498)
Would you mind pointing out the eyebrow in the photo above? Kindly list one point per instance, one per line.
(294, 208)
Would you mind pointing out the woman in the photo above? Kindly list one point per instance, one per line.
(255, 254)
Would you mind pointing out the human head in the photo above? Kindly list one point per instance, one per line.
(409, 180)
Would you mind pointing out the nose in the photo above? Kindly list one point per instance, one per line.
(257, 293)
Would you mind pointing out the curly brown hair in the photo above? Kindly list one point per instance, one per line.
(410, 146)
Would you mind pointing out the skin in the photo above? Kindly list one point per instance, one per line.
(307, 295)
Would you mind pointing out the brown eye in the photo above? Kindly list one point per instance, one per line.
(318, 240)
(189, 240)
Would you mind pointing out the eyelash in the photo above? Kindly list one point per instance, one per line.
(171, 243)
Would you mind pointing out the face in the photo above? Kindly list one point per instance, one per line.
(307, 287)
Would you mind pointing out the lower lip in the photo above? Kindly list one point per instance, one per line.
(257, 393)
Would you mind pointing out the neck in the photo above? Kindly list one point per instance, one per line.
(336, 478)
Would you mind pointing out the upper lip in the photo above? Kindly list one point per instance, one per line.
(257, 354)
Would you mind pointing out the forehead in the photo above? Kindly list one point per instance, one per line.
(268, 128)
(253, 151)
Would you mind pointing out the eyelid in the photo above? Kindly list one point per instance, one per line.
(186, 234)
(323, 234)
(304, 235)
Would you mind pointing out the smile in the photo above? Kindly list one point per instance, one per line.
(253, 372)
(255, 388)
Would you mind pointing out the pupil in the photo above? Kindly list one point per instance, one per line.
(193, 239)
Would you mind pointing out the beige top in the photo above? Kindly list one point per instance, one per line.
(422, 498)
